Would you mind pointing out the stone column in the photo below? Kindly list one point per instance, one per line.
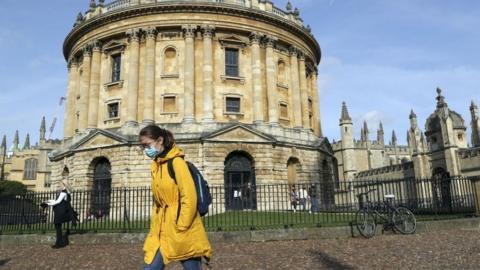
(316, 106)
(304, 92)
(69, 126)
(208, 94)
(149, 93)
(84, 88)
(94, 85)
(271, 82)
(189, 73)
(132, 88)
(295, 86)
(256, 78)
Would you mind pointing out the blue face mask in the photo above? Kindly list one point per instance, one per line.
(151, 152)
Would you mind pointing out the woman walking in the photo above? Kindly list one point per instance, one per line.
(61, 214)
(176, 229)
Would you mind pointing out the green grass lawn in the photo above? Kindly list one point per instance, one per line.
(228, 221)
(253, 220)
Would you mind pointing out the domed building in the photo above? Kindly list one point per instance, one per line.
(234, 80)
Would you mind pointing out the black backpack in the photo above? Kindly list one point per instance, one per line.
(204, 198)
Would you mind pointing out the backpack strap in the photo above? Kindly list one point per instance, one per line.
(171, 171)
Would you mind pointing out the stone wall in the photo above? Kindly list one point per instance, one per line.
(469, 160)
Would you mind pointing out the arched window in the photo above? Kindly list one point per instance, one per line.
(170, 62)
(281, 80)
(30, 169)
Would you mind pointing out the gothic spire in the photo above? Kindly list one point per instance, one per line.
(365, 127)
(4, 142)
(475, 125)
(16, 140)
(365, 130)
(380, 137)
(345, 115)
(394, 138)
(26, 145)
(43, 129)
(412, 114)
(473, 106)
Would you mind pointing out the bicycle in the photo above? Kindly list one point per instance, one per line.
(400, 218)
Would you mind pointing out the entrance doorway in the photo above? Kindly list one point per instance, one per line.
(240, 189)
(102, 188)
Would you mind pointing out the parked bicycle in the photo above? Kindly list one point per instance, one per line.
(400, 218)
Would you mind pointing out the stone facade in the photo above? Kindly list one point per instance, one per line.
(441, 151)
(234, 81)
(28, 164)
(356, 156)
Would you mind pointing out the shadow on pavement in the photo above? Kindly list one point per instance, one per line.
(4, 261)
(328, 261)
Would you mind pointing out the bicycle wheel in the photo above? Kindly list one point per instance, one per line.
(365, 223)
(404, 220)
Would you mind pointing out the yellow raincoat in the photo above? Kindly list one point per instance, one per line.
(180, 239)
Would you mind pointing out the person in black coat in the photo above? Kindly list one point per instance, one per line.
(62, 213)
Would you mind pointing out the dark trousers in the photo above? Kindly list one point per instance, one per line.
(62, 240)
(58, 229)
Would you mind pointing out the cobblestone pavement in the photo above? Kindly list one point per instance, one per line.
(435, 250)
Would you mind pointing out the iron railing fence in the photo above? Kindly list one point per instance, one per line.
(245, 207)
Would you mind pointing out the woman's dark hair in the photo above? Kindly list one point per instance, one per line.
(155, 132)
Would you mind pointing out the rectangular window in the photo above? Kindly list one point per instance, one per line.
(283, 110)
(310, 106)
(233, 104)
(116, 64)
(231, 62)
(169, 105)
(30, 169)
(113, 110)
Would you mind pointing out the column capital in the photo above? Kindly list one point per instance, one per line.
(293, 51)
(87, 50)
(207, 30)
(189, 30)
(134, 34)
(72, 62)
(255, 37)
(270, 40)
(151, 32)
(301, 55)
(96, 45)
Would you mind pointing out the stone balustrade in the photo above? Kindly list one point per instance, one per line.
(261, 5)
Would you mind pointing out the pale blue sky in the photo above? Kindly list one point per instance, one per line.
(383, 57)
